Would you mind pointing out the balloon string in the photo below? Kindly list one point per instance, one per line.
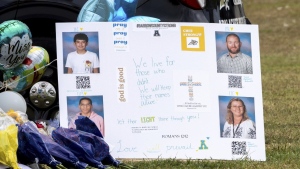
(142, 4)
(17, 10)
(5, 84)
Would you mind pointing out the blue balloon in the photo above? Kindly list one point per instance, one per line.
(96, 11)
(120, 15)
(128, 6)
(111, 11)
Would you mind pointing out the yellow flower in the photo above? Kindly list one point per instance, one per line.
(14, 115)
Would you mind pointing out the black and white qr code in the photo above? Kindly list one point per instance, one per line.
(238, 148)
(83, 82)
(235, 81)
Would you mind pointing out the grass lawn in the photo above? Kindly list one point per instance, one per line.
(279, 25)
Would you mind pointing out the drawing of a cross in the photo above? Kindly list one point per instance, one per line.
(190, 85)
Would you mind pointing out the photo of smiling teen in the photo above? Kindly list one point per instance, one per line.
(81, 51)
(90, 107)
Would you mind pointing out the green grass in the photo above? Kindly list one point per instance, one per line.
(279, 25)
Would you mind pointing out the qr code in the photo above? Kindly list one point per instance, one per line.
(238, 148)
(235, 81)
(83, 82)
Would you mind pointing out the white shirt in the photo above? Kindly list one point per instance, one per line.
(82, 63)
(246, 130)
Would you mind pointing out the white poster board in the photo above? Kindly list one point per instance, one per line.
(158, 89)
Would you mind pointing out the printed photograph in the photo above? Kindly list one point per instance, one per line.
(81, 52)
(234, 53)
(90, 107)
(237, 117)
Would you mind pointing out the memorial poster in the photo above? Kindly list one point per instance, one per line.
(167, 90)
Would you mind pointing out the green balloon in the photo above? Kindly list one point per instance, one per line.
(15, 43)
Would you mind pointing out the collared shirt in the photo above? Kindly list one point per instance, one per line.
(240, 64)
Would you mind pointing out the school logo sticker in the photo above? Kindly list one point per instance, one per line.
(192, 38)
(203, 144)
(156, 33)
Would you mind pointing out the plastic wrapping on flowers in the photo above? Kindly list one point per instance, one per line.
(32, 148)
(62, 154)
(9, 140)
(9, 146)
(88, 147)
(87, 125)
